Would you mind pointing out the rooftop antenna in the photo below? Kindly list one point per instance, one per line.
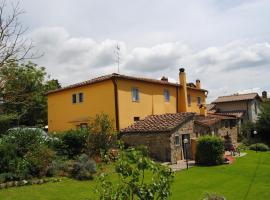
(117, 55)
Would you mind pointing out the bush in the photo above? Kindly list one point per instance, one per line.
(39, 160)
(24, 154)
(209, 151)
(70, 143)
(6, 122)
(25, 140)
(131, 169)
(259, 147)
(83, 168)
(101, 135)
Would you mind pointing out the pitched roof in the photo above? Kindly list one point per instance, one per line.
(236, 97)
(158, 123)
(120, 76)
(211, 119)
(207, 121)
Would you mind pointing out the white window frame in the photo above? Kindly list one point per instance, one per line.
(177, 136)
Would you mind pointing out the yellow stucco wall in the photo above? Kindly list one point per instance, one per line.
(151, 100)
(193, 107)
(98, 97)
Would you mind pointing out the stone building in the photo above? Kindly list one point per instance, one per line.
(218, 125)
(244, 106)
(163, 135)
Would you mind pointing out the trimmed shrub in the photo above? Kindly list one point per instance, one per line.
(83, 168)
(209, 151)
(259, 147)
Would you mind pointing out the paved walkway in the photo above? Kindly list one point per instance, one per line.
(181, 164)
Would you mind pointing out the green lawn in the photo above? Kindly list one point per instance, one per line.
(247, 178)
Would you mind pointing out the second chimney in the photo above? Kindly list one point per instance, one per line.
(198, 84)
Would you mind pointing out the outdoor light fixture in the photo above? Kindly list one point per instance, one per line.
(255, 133)
(185, 143)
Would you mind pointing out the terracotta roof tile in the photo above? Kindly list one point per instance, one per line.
(236, 97)
(158, 123)
(211, 119)
(120, 76)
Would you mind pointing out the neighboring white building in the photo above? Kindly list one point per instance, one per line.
(243, 106)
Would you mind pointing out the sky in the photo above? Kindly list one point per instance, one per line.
(224, 43)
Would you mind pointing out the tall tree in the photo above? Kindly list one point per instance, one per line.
(13, 44)
(24, 91)
(263, 123)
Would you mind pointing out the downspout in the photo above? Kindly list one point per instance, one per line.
(116, 106)
(177, 99)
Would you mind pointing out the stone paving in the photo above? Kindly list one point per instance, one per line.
(181, 164)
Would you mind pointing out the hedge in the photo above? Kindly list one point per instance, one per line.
(209, 151)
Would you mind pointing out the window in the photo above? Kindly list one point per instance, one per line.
(136, 119)
(82, 126)
(80, 97)
(74, 99)
(177, 140)
(166, 95)
(189, 99)
(135, 94)
(199, 100)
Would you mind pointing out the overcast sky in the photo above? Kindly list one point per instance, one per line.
(225, 43)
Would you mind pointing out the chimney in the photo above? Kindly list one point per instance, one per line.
(164, 78)
(182, 104)
(264, 95)
(198, 84)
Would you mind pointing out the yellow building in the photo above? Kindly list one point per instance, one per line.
(124, 98)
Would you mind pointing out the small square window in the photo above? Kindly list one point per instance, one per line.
(136, 119)
(199, 100)
(80, 97)
(177, 140)
(135, 94)
(74, 98)
(167, 95)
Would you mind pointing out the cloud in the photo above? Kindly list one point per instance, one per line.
(235, 66)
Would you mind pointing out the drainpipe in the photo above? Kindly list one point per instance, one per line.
(116, 103)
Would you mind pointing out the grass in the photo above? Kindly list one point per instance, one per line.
(247, 179)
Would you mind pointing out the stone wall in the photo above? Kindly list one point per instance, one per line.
(177, 150)
(158, 144)
(220, 129)
(161, 146)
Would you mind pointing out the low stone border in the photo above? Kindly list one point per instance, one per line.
(25, 182)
